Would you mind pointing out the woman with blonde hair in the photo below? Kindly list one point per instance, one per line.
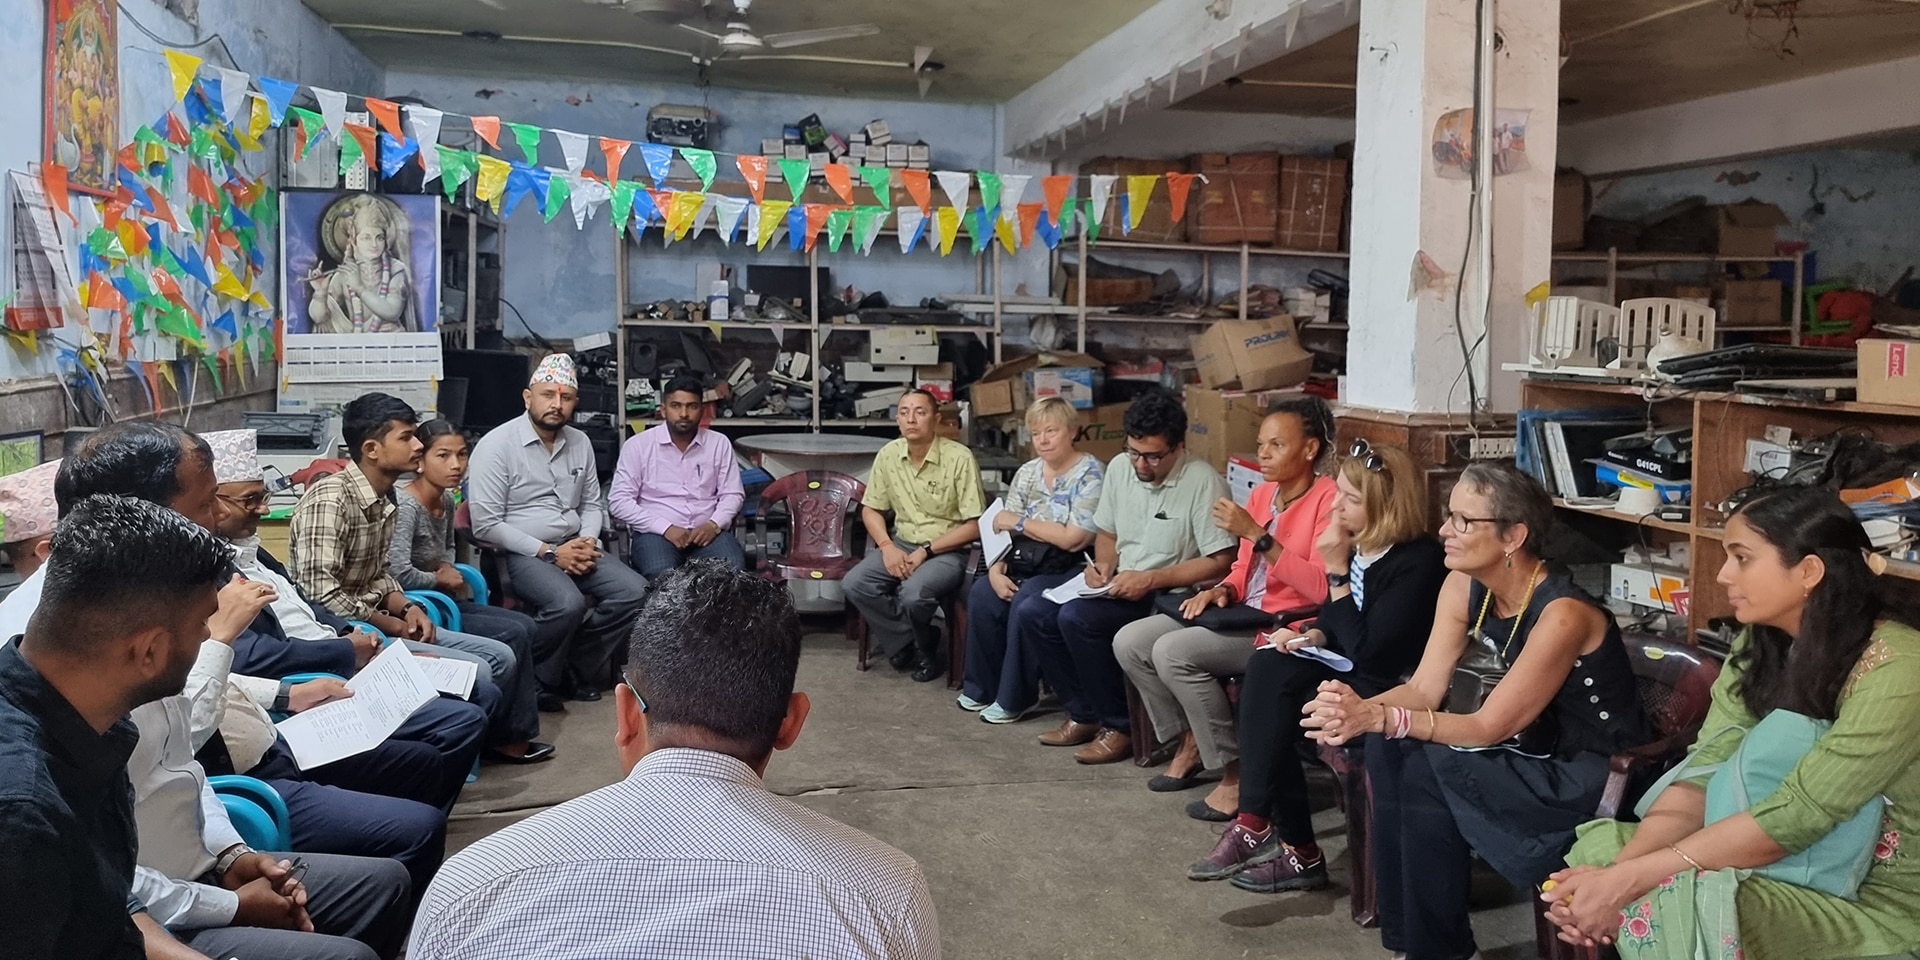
(1049, 512)
(1384, 571)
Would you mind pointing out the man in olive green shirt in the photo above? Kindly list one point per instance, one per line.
(932, 485)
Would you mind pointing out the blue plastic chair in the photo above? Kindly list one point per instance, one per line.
(256, 810)
(473, 774)
(297, 678)
(440, 608)
(475, 582)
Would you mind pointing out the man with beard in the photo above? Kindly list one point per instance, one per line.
(678, 488)
(533, 495)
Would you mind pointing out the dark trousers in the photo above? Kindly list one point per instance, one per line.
(327, 819)
(426, 760)
(577, 644)
(654, 554)
(520, 719)
(359, 907)
(1423, 863)
(1001, 668)
(1075, 647)
(1273, 781)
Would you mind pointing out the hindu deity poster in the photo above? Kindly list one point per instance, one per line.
(83, 91)
(359, 262)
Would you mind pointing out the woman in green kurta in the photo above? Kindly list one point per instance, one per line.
(1828, 638)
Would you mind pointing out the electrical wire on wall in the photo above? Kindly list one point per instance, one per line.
(1476, 230)
(537, 338)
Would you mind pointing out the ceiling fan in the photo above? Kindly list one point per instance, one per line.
(741, 43)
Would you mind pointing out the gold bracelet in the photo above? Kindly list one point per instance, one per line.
(1695, 864)
(1433, 726)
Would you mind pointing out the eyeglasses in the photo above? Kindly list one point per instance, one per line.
(1152, 458)
(1463, 523)
(1374, 462)
(636, 693)
(252, 501)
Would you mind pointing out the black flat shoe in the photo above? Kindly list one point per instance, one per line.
(1164, 783)
(928, 670)
(536, 752)
(584, 695)
(550, 702)
(903, 660)
(1199, 810)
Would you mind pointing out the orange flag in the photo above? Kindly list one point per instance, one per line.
(103, 295)
(365, 135)
(489, 130)
(164, 282)
(919, 187)
(177, 131)
(755, 170)
(816, 219)
(132, 238)
(840, 179)
(54, 178)
(1177, 186)
(161, 211)
(616, 151)
(388, 113)
(1056, 189)
(200, 186)
(1029, 219)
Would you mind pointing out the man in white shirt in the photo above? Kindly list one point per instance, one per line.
(185, 839)
(690, 856)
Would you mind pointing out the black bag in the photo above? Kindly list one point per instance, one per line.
(1481, 669)
(1033, 558)
(1232, 618)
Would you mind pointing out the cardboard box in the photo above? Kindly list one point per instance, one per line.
(897, 151)
(919, 153)
(1748, 229)
(1102, 432)
(936, 379)
(773, 147)
(903, 337)
(1236, 201)
(1003, 388)
(878, 133)
(860, 371)
(1572, 198)
(1243, 474)
(1649, 586)
(1146, 371)
(1251, 354)
(917, 356)
(1072, 384)
(1749, 303)
(876, 401)
(857, 151)
(794, 151)
(1221, 423)
(1890, 372)
(918, 165)
(1313, 203)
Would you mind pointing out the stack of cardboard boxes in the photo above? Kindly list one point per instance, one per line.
(1243, 365)
(872, 145)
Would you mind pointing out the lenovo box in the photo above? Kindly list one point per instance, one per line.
(1251, 354)
(1890, 372)
(1243, 474)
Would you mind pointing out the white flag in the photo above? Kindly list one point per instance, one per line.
(873, 232)
(731, 210)
(333, 108)
(233, 92)
(587, 196)
(573, 146)
(754, 225)
(1100, 185)
(912, 220)
(704, 214)
(958, 184)
(424, 122)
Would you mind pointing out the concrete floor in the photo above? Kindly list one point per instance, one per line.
(1029, 854)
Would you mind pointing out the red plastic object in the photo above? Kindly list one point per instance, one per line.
(817, 546)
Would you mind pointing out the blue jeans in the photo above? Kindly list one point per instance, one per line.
(1075, 647)
(654, 554)
(1001, 667)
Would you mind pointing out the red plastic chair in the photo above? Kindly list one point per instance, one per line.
(818, 546)
(1676, 687)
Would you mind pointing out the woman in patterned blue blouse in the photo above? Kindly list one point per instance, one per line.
(1049, 512)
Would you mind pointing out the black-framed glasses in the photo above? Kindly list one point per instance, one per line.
(252, 501)
(636, 693)
(1153, 458)
(1363, 451)
(1463, 523)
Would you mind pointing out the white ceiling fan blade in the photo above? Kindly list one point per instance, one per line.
(496, 4)
(802, 37)
(920, 57)
(821, 58)
(689, 26)
(926, 83)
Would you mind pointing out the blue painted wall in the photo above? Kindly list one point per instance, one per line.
(1865, 234)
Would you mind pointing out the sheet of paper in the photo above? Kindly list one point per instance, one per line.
(385, 694)
(994, 545)
(1337, 661)
(1075, 589)
(450, 676)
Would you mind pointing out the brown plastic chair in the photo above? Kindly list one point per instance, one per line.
(819, 539)
(1676, 687)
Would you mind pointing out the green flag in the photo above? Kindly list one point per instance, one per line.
(702, 163)
(795, 173)
(622, 203)
(989, 190)
(528, 136)
(558, 192)
(838, 220)
(881, 180)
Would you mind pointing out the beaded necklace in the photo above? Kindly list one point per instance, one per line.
(1533, 580)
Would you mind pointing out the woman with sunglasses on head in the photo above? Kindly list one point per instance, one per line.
(1499, 745)
(1177, 662)
(1829, 640)
(1384, 570)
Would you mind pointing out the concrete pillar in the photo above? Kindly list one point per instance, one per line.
(1411, 226)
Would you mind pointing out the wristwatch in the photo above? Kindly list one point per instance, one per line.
(1263, 544)
(548, 554)
(1339, 579)
(1020, 526)
(283, 698)
(228, 858)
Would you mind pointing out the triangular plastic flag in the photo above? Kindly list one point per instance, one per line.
(587, 197)
(573, 148)
(989, 191)
(1139, 194)
(754, 169)
(754, 215)
(53, 179)
(623, 195)
(980, 232)
(1178, 185)
(356, 145)
(730, 210)
(193, 265)
(559, 191)
(659, 159)
(771, 214)
(260, 117)
(424, 124)
(838, 220)
(226, 284)
(702, 216)
(1013, 190)
(818, 216)
(102, 295)
(394, 154)
(946, 221)
(1004, 230)
(919, 187)
(491, 180)
(912, 224)
(233, 93)
(658, 203)
(795, 173)
(880, 180)
(181, 67)
(616, 151)
(1090, 220)
(1029, 219)
(528, 137)
(522, 180)
(1100, 185)
(489, 130)
(333, 108)
(1048, 230)
(867, 224)
(388, 114)
(798, 236)
(840, 181)
(456, 166)
(680, 216)
(279, 94)
(702, 163)
(958, 185)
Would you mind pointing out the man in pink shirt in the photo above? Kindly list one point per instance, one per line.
(678, 488)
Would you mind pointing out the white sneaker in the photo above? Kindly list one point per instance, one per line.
(969, 704)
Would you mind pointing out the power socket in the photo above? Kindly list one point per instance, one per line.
(1491, 448)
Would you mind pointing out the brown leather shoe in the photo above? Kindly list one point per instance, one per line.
(1110, 746)
(1070, 733)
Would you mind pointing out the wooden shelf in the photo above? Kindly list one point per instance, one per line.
(640, 423)
(1235, 249)
(1136, 318)
(1609, 513)
(766, 325)
(1904, 569)
(937, 327)
(1602, 256)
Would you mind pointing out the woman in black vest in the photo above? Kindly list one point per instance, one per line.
(1499, 744)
